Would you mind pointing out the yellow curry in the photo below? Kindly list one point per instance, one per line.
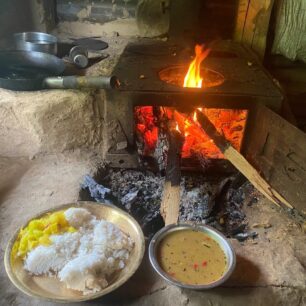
(192, 257)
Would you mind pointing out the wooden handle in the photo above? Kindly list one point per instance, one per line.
(241, 163)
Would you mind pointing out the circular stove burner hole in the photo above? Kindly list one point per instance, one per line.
(175, 75)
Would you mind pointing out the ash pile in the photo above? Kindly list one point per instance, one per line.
(217, 202)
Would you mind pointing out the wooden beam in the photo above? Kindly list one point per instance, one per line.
(241, 163)
(252, 24)
(242, 12)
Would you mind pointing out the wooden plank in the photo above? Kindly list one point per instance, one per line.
(241, 163)
(277, 149)
(242, 11)
(255, 25)
(170, 204)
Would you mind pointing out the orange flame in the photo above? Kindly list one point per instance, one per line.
(195, 118)
(193, 77)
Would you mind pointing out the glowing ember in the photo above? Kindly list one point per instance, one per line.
(228, 122)
(195, 118)
(193, 77)
(177, 127)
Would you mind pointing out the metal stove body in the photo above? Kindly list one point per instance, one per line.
(245, 83)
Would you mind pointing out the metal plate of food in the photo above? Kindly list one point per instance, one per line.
(192, 256)
(49, 286)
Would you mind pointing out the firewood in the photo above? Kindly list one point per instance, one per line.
(241, 163)
(170, 204)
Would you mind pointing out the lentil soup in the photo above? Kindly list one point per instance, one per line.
(192, 257)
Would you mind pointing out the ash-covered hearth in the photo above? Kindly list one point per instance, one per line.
(216, 201)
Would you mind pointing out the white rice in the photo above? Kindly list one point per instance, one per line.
(82, 260)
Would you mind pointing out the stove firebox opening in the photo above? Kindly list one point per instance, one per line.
(152, 129)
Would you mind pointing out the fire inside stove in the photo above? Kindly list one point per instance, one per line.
(152, 123)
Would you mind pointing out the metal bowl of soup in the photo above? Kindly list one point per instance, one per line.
(192, 256)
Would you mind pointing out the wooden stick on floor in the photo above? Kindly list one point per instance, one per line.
(170, 204)
(241, 163)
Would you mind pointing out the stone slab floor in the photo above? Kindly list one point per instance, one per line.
(270, 270)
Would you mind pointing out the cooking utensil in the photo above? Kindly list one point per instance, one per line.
(25, 70)
(21, 84)
(90, 43)
(78, 82)
(214, 234)
(50, 288)
(71, 82)
(36, 41)
(79, 56)
(28, 64)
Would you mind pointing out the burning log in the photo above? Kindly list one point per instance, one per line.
(170, 204)
(241, 163)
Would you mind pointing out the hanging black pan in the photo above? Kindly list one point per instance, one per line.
(26, 70)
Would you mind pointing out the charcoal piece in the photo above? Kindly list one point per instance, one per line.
(234, 228)
(236, 195)
(236, 214)
(253, 200)
(128, 199)
(139, 192)
(97, 191)
(161, 151)
(216, 225)
(151, 226)
(244, 236)
(197, 197)
(209, 220)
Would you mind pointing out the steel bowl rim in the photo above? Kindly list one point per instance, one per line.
(112, 287)
(173, 227)
(42, 42)
(22, 36)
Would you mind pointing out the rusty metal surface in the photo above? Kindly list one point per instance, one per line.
(141, 62)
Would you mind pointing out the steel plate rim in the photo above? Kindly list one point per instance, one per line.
(107, 290)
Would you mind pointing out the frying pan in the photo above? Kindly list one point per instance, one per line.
(26, 70)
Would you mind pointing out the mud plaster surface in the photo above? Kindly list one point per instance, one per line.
(270, 270)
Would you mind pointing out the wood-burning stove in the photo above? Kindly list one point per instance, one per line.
(149, 72)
